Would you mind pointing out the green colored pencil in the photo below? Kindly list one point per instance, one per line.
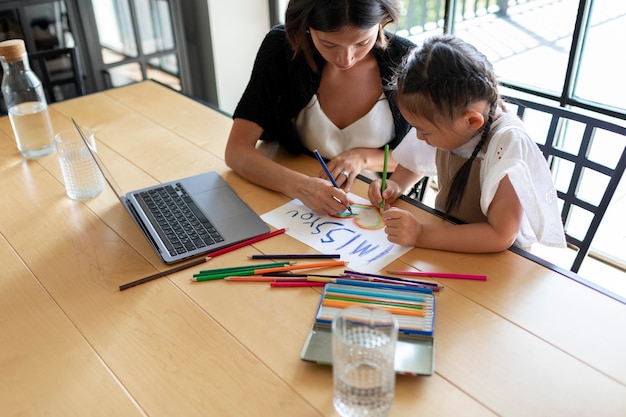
(383, 184)
(251, 266)
(220, 273)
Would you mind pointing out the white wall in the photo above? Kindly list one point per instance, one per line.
(237, 29)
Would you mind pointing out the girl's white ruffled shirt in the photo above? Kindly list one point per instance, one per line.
(511, 152)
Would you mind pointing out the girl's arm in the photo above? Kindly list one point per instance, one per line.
(497, 234)
(242, 157)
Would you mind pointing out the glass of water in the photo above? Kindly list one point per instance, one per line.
(81, 175)
(364, 342)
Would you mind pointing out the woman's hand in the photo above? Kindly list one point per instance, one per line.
(344, 168)
(347, 165)
(321, 196)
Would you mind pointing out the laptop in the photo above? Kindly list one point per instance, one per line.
(187, 217)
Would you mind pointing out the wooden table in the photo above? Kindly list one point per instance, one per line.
(527, 342)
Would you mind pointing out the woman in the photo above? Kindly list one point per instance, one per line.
(318, 83)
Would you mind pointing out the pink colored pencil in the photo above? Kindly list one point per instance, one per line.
(440, 275)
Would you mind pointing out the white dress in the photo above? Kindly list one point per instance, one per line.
(373, 130)
(511, 152)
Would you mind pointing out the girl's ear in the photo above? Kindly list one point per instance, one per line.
(474, 120)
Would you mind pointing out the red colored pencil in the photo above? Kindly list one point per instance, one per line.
(231, 248)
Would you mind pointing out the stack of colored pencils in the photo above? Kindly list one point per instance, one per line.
(260, 269)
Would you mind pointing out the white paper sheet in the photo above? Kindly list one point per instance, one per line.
(360, 239)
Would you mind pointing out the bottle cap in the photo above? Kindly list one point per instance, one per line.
(12, 50)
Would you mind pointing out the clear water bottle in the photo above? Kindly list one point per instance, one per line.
(25, 101)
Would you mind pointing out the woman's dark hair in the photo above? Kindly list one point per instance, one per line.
(332, 15)
(438, 81)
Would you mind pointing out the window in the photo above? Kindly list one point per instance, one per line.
(563, 51)
(600, 62)
(138, 41)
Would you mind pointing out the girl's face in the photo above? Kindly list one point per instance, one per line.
(346, 47)
(446, 135)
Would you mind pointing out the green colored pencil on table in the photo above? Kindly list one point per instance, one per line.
(220, 273)
(251, 266)
(383, 183)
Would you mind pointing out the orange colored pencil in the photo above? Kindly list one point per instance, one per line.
(326, 264)
(392, 310)
(263, 278)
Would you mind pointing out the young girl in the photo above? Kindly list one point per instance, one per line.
(317, 83)
(491, 174)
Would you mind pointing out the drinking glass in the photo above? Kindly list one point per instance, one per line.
(81, 175)
(364, 341)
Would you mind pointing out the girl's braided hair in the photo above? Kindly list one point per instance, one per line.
(438, 81)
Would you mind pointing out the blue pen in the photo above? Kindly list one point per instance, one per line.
(329, 175)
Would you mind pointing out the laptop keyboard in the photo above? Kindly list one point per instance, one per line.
(181, 225)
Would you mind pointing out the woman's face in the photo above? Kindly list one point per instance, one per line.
(346, 47)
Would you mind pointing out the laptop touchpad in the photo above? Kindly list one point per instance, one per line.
(229, 203)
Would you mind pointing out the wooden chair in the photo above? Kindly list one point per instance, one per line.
(565, 138)
(60, 73)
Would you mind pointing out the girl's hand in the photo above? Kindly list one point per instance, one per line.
(401, 227)
(391, 193)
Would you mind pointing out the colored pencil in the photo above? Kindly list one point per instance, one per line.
(440, 275)
(163, 273)
(435, 286)
(211, 275)
(296, 284)
(371, 284)
(383, 183)
(221, 275)
(202, 260)
(293, 275)
(384, 306)
(264, 278)
(405, 282)
(329, 175)
(297, 256)
(243, 267)
(326, 264)
(356, 291)
(245, 243)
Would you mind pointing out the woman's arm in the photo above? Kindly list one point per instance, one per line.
(242, 157)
